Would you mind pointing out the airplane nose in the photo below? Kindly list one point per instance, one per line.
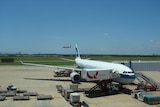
(133, 76)
(129, 76)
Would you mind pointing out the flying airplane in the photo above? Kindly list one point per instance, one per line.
(67, 46)
(93, 70)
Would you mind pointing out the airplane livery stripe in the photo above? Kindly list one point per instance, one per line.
(128, 76)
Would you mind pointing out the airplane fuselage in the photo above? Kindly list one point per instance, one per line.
(126, 74)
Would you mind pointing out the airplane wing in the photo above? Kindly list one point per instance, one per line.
(71, 60)
(51, 66)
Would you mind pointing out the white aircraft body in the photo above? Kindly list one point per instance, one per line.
(126, 74)
(93, 70)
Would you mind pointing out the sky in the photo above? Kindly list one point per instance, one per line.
(129, 27)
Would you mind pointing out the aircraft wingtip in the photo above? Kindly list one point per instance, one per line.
(21, 61)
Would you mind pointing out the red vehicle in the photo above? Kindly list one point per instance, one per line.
(146, 87)
(149, 88)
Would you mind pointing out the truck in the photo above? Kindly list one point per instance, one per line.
(11, 88)
(143, 96)
(97, 74)
(138, 94)
(113, 87)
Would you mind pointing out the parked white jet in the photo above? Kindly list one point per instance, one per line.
(93, 70)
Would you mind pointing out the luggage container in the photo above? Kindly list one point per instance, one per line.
(67, 93)
(59, 88)
(30, 94)
(74, 87)
(19, 98)
(151, 99)
(44, 97)
(2, 98)
(74, 98)
(63, 91)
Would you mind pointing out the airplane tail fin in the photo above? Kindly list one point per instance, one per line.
(77, 51)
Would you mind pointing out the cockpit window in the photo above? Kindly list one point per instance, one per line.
(128, 72)
(124, 72)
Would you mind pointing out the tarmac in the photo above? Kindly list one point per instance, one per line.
(41, 80)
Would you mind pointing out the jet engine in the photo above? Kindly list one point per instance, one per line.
(75, 77)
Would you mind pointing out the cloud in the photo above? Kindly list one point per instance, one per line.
(158, 43)
(103, 49)
(151, 41)
(106, 34)
(155, 42)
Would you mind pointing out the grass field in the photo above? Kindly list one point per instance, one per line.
(56, 59)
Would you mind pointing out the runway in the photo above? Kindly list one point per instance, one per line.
(41, 80)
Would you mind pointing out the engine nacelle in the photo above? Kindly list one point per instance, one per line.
(75, 77)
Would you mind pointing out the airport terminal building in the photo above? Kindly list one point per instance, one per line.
(144, 65)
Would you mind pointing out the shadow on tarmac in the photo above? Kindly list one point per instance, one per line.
(48, 79)
(100, 93)
(90, 94)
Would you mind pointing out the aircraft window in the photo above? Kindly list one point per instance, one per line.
(124, 72)
(127, 72)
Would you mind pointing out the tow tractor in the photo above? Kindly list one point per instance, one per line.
(11, 88)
